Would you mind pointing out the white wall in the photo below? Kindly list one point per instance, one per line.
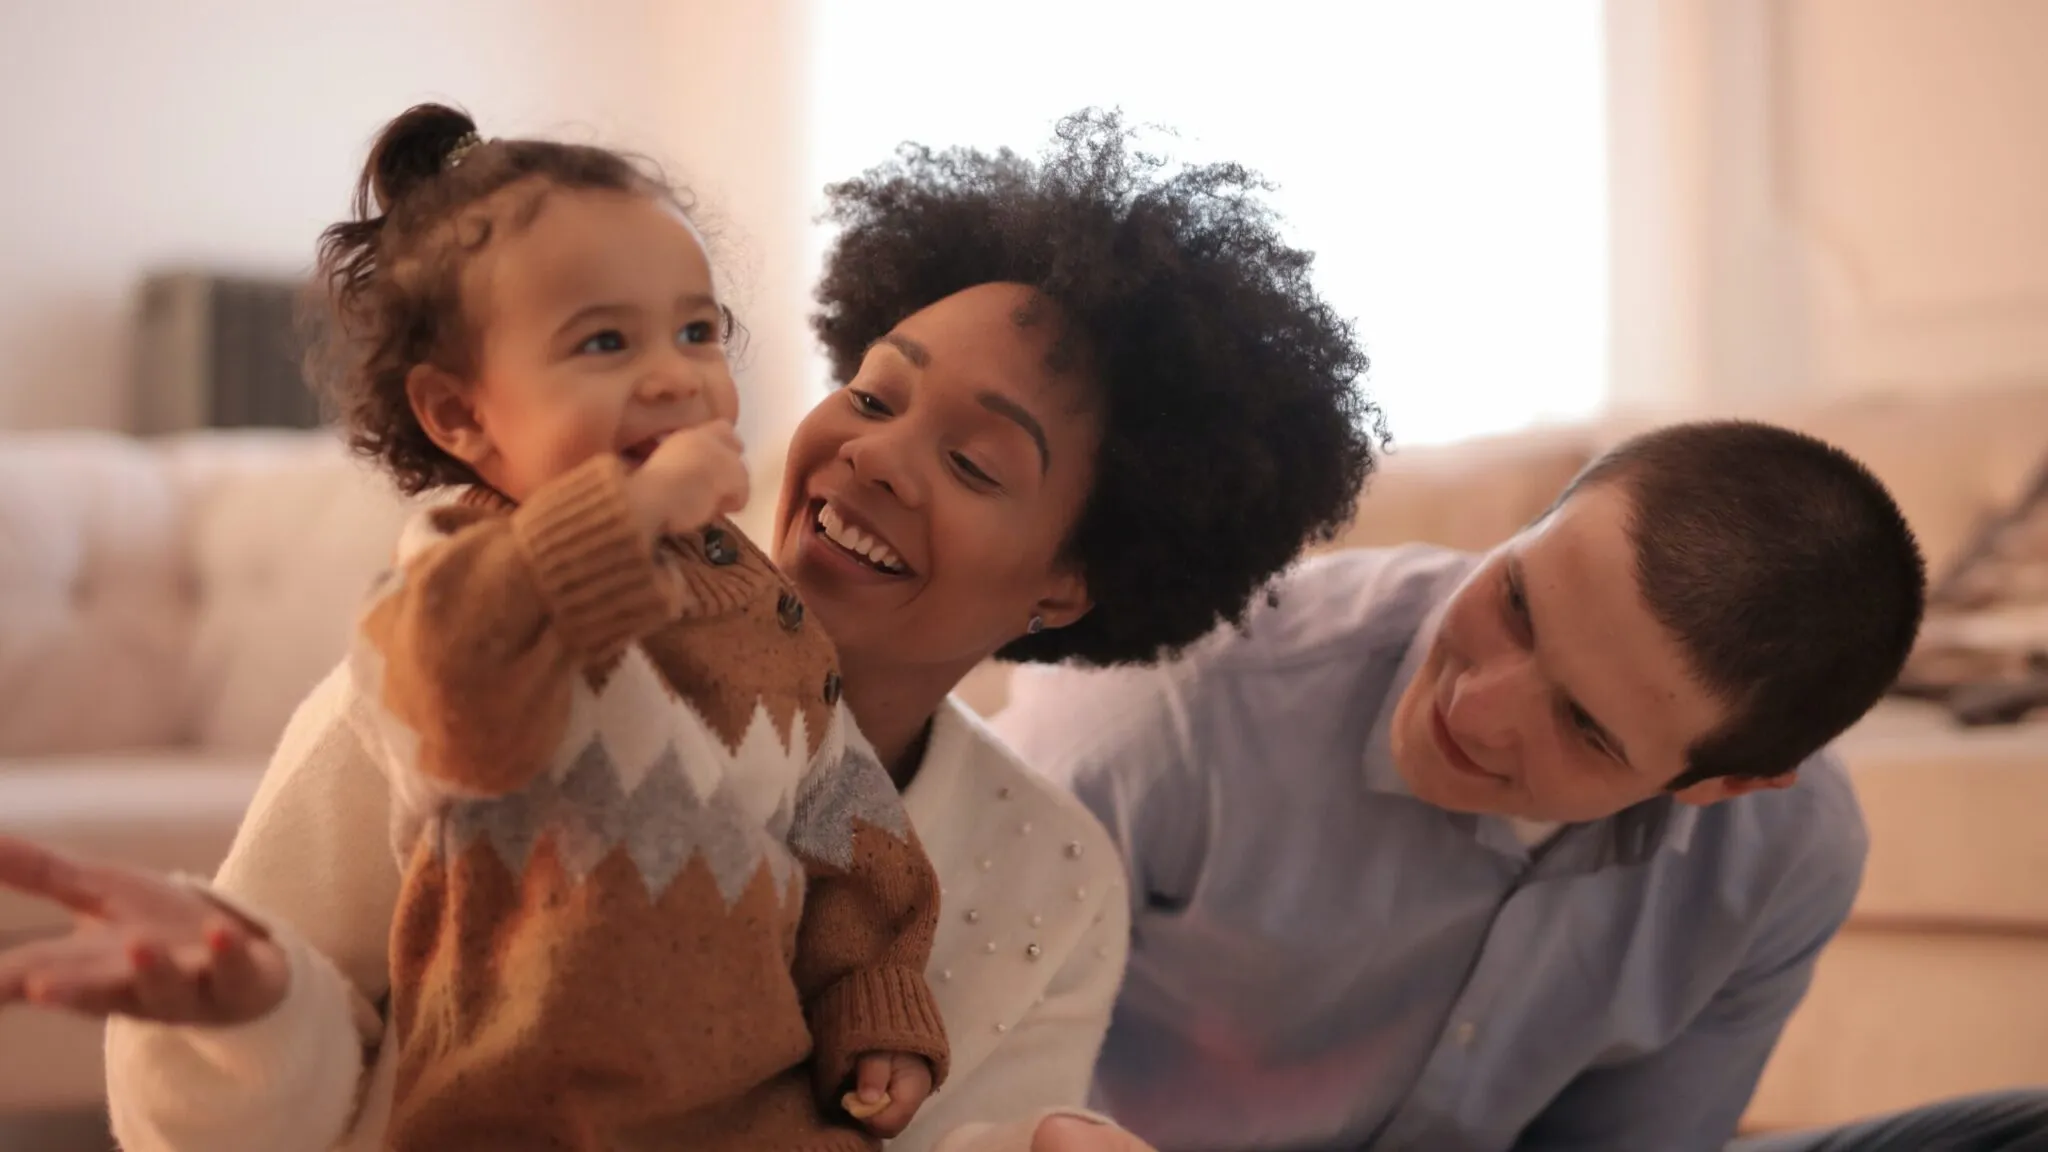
(1818, 198)
(1445, 160)
(225, 133)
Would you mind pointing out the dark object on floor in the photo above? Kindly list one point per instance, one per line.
(56, 1132)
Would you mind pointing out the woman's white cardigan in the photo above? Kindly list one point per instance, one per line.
(1030, 953)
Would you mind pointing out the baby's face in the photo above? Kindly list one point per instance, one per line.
(598, 331)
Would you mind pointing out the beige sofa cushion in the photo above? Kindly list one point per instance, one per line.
(1954, 461)
(168, 810)
(284, 543)
(1955, 817)
(95, 620)
(177, 593)
(1471, 495)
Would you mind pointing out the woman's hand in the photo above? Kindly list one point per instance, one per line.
(1074, 1134)
(140, 945)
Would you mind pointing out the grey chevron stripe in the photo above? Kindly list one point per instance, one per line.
(660, 825)
(856, 787)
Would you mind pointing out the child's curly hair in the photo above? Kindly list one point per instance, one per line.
(387, 296)
(1235, 429)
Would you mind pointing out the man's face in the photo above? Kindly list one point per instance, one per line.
(1549, 691)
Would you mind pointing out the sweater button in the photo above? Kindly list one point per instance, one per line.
(831, 688)
(718, 547)
(789, 611)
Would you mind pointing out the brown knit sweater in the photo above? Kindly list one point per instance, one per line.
(658, 891)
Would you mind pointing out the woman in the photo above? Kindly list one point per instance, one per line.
(1089, 408)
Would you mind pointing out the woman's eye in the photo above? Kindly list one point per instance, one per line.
(609, 340)
(698, 332)
(866, 403)
(973, 473)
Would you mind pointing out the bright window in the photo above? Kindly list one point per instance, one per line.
(1445, 160)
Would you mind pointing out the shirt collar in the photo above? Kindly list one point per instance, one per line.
(1381, 775)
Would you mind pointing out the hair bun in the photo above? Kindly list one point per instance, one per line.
(413, 149)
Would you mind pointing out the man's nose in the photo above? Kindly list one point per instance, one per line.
(1491, 702)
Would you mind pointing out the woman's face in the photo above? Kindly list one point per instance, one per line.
(924, 504)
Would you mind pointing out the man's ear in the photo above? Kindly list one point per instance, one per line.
(446, 411)
(1729, 787)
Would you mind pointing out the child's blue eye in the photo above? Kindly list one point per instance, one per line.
(698, 332)
(609, 340)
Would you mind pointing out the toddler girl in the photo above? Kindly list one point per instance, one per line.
(658, 892)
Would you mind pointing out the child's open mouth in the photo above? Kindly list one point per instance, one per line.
(863, 547)
(636, 453)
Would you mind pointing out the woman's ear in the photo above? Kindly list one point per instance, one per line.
(446, 410)
(1067, 600)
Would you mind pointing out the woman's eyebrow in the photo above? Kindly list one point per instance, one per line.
(1002, 405)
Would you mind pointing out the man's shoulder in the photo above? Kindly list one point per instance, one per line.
(1323, 625)
(1806, 840)
(1332, 605)
(1338, 603)
(1818, 809)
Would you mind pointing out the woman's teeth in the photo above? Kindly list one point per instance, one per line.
(859, 543)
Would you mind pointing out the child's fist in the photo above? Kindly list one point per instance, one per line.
(888, 1089)
(691, 479)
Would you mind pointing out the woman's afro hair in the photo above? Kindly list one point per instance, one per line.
(1235, 429)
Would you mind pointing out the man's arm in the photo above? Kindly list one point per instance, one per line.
(1119, 740)
(1691, 1093)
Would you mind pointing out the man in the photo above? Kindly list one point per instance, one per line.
(1532, 850)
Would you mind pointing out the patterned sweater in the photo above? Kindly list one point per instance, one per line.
(658, 892)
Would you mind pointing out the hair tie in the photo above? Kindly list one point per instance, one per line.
(462, 147)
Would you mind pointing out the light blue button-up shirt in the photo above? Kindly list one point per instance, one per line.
(1321, 961)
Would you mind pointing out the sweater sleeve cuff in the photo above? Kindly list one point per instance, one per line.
(594, 566)
(311, 971)
(875, 1010)
(304, 1023)
(290, 1078)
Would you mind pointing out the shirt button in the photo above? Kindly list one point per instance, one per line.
(718, 548)
(1464, 1032)
(789, 611)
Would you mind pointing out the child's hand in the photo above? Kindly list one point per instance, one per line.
(691, 479)
(888, 1089)
(141, 946)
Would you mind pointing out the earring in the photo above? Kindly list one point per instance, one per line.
(1036, 626)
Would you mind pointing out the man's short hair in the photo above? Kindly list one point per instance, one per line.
(1786, 571)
